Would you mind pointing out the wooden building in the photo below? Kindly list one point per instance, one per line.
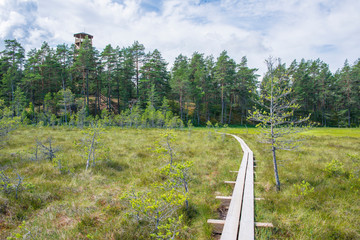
(80, 37)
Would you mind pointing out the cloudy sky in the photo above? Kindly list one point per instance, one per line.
(289, 29)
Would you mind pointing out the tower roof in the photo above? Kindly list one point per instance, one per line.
(83, 35)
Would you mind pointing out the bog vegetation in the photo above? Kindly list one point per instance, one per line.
(103, 145)
(158, 184)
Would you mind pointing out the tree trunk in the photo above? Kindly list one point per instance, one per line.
(222, 103)
(181, 106)
(275, 169)
(230, 110)
(118, 95)
(87, 88)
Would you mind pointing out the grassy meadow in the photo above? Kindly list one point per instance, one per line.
(86, 204)
(327, 204)
(319, 197)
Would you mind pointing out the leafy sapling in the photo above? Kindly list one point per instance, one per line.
(303, 189)
(24, 233)
(91, 143)
(153, 208)
(178, 177)
(62, 164)
(164, 146)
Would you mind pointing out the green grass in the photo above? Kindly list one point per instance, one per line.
(332, 210)
(86, 204)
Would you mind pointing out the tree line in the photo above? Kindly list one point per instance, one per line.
(64, 80)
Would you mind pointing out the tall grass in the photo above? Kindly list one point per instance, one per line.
(328, 162)
(86, 204)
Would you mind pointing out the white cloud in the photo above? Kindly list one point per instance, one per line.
(9, 21)
(290, 29)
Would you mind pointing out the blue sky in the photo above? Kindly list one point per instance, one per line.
(289, 29)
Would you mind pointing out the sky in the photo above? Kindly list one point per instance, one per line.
(286, 29)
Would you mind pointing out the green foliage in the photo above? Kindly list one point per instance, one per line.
(158, 209)
(12, 185)
(19, 102)
(24, 232)
(302, 189)
(81, 117)
(334, 168)
(91, 145)
(48, 151)
(164, 147)
(7, 122)
(62, 164)
(177, 177)
(170, 229)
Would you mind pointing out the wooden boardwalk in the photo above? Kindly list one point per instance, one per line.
(239, 223)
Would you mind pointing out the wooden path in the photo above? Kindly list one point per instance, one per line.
(239, 223)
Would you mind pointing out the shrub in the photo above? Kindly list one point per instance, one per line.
(334, 168)
(303, 189)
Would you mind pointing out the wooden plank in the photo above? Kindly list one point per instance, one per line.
(264, 225)
(247, 225)
(230, 182)
(225, 200)
(231, 226)
(217, 224)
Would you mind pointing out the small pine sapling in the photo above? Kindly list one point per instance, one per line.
(48, 151)
(62, 163)
(164, 148)
(9, 185)
(275, 116)
(178, 177)
(153, 208)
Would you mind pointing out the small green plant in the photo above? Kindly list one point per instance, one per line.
(61, 162)
(164, 146)
(48, 151)
(178, 178)
(334, 168)
(152, 207)
(11, 185)
(170, 229)
(303, 189)
(158, 208)
(24, 233)
(91, 144)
